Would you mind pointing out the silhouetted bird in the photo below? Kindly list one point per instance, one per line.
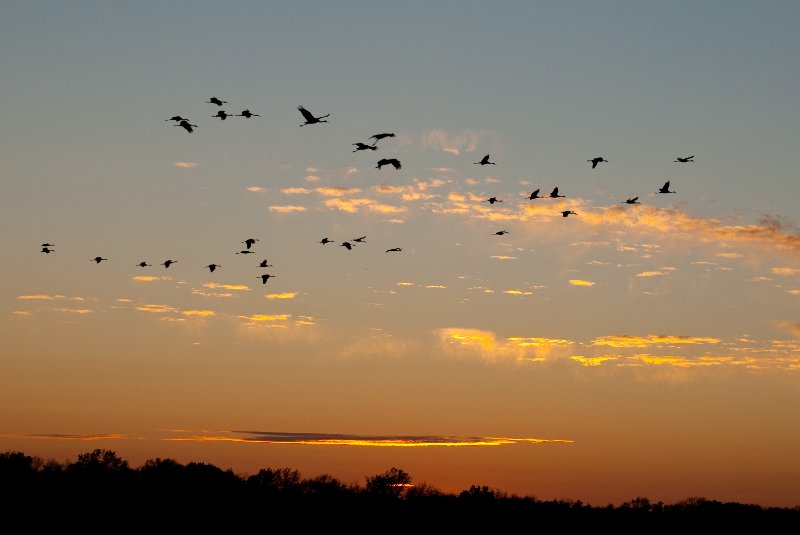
(186, 126)
(265, 277)
(554, 194)
(534, 195)
(176, 118)
(310, 119)
(222, 114)
(248, 114)
(500, 232)
(566, 213)
(688, 159)
(264, 264)
(378, 137)
(364, 146)
(323, 241)
(143, 264)
(47, 245)
(665, 188)
(394, 162)
(362, 239)
(633, 200)
(250, 241)
(167, 263)
(212, 267)
(492, 200)
(246, 252)
(47, 250)
(97, 259)
(395, 249)
(596, 161)
(485, 161)
(215, 100)
(346, 244)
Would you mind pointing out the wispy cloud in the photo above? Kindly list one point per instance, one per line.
(503, 257)
(78, 311)
(295, 191)
(236, 287)
(579, 282)
(22, 313)
(337, 191)
(595, 361)
(785, 271)
(626, 340)
(730, 255)
(287, 209)
(282, 295)
(517, 292)
(791, 326)
(56, 297)
(157, 309)
(186, 165)
(146, 278)
(458, 142)
(201, 313)
(650, 274)
(267, 317)
(70, 436)
(256, 189)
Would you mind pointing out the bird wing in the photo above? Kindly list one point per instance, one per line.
(635, 199)
(396, 164)
(555, 192)
(306, 113)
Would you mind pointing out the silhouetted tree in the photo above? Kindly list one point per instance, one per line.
(392, 483)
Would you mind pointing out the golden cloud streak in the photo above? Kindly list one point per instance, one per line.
(624, 340)
(287, 209)
(203, 313)
(43, 297)
(594, 361)
(69, 436)
(216, 286)
(501, 257)
(579, 282)
(517, 292)
(79, 311)
(158, 309)
(146, 278)
(650, 274)
(295, 191)
(186, 165)
(337, 191)
(785, 271)
(256, 189)
(267, 317)
(347, 205)
(282, 295)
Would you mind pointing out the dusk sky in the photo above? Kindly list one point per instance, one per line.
(648, 349)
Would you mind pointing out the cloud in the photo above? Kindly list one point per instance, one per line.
(22, 313)
(502, 257)
(456, 143)
(595, 361)
(480, 341)
(784, 271)
(394, 221)
(312, 178)
(79, 311)
(57, 297)
(438, 286)
(202, 313)
(348, 205)
(267, 317)
(791, 326)
(407, 193)
(579, 282)
(337, 191)
(386, 208)
(145, 278)
(295, 191)
(71, 436)
(283, 295)
(517, 292)
(650, 274)
(730, 255)
(625, 340)
(123, 300)
(287, 209)
(340, 439)
(157, 309)
(405, 284)
(186, 165)
(256, 189)
(793, 292)
(237, 287)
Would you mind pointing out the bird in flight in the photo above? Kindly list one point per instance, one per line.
(222, 114)
(310, 119)
(394, 162)
(265, 277)
(167, 263)
(364, 146)
(47, 250)
(250, 241)
(632, 200)
(596, 161)
(97, 259)
(554, 194)
(484, 161)
(323, 241)
(215, 100)
(246, 113)
(347, 245)
(492, 200)
(186, 126)
(500, 232)
(176, 118)
(534, 195)
(378, 137)
(212, 267)
(688, 159)
(246, 251)
(143, 264)
(394, 249)
(47, 245)
(264, 264)
(566, 213)
(665, 188)
(362, 239)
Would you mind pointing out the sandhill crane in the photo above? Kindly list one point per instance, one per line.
(212, 267)
(265, 277)
(264, 264)
(250, 241)
(222, 114)
(248, 114)
(246, 251)
(167, 263)
(484, 161)
(143, 264)
(596, 161)
(47, 245)
(378, 137)
(364, 146)
(347, 245)
(323, 241)
(554, 194)
(362, 239)
(186, 126)
(176, 118)
(310, 119)
(394, 249)
(47, 250)
(394, 162)
(688, 159)
(492, 200)
(98, 259)
(215, 100)
(566, 213)
(500, 232)
(534, 195)
(665, 188)
(632, 200)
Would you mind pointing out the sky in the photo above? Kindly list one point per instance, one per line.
(648, 349)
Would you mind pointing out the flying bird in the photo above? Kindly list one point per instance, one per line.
(364, 146)
(665, 188)
(222, 114)
(264, 264)
(688, 159)
(378, 137)
(310, 119)
(323, 241)
(97, 259)
(250, 241)
(212, 267)
(395, 249)
(566, 213)
(248, 114)
(167, 263)
(485, 161)
(346, 244)
(186, 126)
(47, 250)
(215, 100)
(596, 161)
(500, 232)
(534, 195)
(394, 162)
(554, 194)
(265, 277)
(176, 118)
(362, 239)
(143, 264)
(632, 200)
(492, 200)
(246, 251)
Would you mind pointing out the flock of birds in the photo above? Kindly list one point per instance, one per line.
(310, 119)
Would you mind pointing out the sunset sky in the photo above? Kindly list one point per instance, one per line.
(647, 349)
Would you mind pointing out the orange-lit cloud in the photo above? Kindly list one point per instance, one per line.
(158, 309)
(502, 257)
(79, 311)
(287, 209)
(730, 255)
(22, 313)
(791, 326)
(337, 191)
(624, 340)
(483, 341)
(681, 361)
(256, 189)
(405, 284)
(237, 287)
(347, 205)
(579, 282)
(70, 436)
(186, 165)
(595, 361)
(295, 191)
(57, 297)
(202, 313)
(785, 271)
(332, 439)
(267, 317)
(464, 141)
(793, 292)
(650, 274)
(517, 292)
(145, 278)
(386, 208)
(282, 295)
(437, 286)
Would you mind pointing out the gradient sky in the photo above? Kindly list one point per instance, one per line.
(649, 349)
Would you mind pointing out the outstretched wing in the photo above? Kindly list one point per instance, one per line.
(396, 164)
(306, 113)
